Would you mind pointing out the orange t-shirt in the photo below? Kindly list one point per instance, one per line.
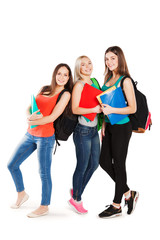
(45, 105)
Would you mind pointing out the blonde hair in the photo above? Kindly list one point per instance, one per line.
(77, 73)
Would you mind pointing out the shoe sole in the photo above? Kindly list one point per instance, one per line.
(33, 215)
(115, 215)
(76, 209)
(135, 202)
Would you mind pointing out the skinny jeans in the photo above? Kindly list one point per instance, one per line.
(27, 146)
(87, 145)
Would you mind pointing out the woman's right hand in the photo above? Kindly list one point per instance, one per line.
(97, 109)
(35, 116)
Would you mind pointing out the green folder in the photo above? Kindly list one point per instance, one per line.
(34, 108)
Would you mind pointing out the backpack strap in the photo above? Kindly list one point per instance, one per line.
(64, 90)
(95, 82)
(57, 143)
(122, 80)
(133, 82)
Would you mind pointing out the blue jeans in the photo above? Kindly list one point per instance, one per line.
(87, 146)
(27, 146)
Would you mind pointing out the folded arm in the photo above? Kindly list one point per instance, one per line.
(57, 111)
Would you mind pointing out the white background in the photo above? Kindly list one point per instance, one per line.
(35, 37)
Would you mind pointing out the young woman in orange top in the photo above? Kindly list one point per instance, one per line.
(42, 136)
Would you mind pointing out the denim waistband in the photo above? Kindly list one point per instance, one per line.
(86, 127)
(35, 137)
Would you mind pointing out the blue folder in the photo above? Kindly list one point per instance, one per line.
(115, 99)
(34, 108)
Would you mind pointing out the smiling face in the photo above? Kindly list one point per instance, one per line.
(62, 76)
(86, 66)
(111, 61)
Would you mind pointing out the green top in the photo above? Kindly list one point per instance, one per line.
(104, 88)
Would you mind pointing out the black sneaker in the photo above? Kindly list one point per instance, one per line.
(131, 202)
(111, 211)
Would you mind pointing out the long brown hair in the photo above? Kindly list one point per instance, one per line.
(122, 65)
(49, 89)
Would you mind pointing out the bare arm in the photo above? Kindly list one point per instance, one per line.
(130, 95)
(57, 111)
(33, 116)
(76, 96)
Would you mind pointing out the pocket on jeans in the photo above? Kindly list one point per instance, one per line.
(84, 132)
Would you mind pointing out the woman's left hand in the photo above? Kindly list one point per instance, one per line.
(107, 109)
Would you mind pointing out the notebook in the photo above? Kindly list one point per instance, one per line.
(34, 108)
(89, 100)
(115, 99)
(107, 91)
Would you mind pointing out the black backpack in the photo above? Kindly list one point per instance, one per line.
(141, 119)
(65, 124)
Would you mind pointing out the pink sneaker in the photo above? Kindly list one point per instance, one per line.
(78, 207)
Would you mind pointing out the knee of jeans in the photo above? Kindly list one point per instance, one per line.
(10, 166)
(93, 166)
(45, 175)
(80, 170)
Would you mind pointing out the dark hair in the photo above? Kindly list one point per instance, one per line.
(122, 65)
(49, 89)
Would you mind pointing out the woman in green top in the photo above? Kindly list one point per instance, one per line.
(115, 138)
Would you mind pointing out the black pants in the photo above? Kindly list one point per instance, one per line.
(113, 156)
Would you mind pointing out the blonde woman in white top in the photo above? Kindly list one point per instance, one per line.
(85, 137)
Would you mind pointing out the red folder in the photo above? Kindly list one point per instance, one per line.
(89, 100)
